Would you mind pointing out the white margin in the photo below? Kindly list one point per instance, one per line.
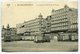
(43, 52)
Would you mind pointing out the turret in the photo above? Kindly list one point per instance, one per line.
(40, 16)
(66, 6)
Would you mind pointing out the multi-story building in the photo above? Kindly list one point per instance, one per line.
(35, 26)
(64, 20)
(20, 28)
(61, 24)
(48, 24)
(8, 33)
(32, 27)
(47, 27)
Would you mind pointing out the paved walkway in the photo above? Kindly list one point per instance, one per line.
(30, 46)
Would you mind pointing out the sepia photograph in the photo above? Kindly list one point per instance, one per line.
(40, 26)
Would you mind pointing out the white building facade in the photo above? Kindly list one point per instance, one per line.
(64, 20)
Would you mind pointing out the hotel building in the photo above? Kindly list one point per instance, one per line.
(61, 25)
(32, 27)
(64, 21)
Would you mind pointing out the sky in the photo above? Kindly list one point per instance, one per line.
(18, 12)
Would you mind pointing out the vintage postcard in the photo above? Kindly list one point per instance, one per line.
(39, 26)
